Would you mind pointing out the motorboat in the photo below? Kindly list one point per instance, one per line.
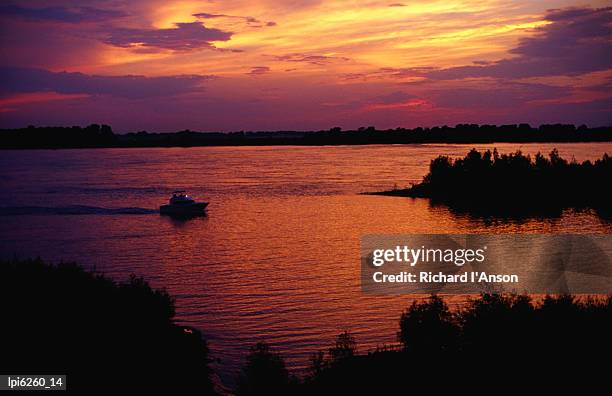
(181, 204)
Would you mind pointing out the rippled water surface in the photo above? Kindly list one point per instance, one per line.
(277, 257)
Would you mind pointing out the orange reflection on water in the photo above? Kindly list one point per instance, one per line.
(277, 257)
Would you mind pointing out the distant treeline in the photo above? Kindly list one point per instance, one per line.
(103, 136)
(515, 184)
(107, 336)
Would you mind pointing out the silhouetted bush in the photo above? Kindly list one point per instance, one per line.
(428, 327)
(513, 324)
(105, 336)
(494, 341)
(506, 322)
(264, 374)
(343, 371)
(345, 348)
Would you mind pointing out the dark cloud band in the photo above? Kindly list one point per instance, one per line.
(60, 14)
(22, 80)
(183, 37)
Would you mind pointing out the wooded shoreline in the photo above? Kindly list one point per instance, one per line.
(102, 136)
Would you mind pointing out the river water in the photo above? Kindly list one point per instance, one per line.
(277, 257)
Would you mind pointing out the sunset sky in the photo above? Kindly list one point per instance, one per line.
(303, 64)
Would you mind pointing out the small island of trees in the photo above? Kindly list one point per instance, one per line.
(487, 182)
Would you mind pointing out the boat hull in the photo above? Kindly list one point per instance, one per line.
(194, 209)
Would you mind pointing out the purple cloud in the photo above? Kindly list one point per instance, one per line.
(508, 95)
(60, 14)
(312, 59)
(259, 70)
(184, 37)
(389, 72)
(394, 97)
(21, 80)
(577, 41)
(206, 15)
(251, 21)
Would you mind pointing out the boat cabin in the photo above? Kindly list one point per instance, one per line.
(180, 197)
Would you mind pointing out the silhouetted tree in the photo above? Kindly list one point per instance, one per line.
(103, 335)
(264, 374)
(503, 320)
(345, 347)
(428, 327)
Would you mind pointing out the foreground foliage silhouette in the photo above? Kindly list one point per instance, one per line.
(515, 184)
(104, 335)
(494, 341)
(265, 373)
(110, 336)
